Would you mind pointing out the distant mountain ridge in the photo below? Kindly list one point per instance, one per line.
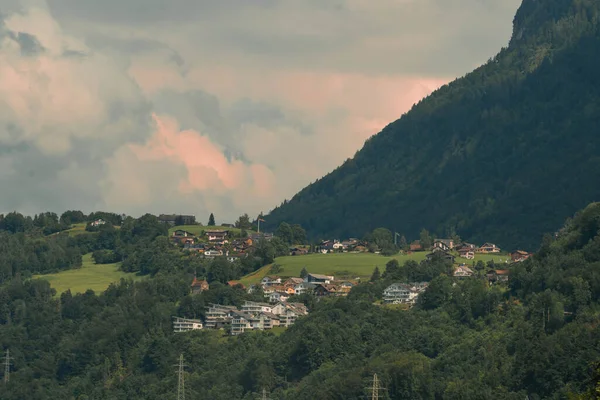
(504, 154)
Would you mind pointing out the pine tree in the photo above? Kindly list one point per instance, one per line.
(303, 273)
(211, 220)
(376, 275)
(403, 244)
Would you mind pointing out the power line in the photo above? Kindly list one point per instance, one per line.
(7, 359)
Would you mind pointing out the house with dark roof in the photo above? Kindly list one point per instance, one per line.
(443, 244)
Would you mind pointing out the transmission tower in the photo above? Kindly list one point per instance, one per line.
(375, 388)
(7, 359)
(181, 380)
(264, 394)
(375, 393)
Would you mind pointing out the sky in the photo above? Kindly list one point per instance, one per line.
(200, 106)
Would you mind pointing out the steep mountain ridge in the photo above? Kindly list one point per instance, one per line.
(503, 154)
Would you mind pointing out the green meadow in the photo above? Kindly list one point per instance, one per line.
(347, 265)
(90, 276)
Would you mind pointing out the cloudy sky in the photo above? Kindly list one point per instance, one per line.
(229, 106)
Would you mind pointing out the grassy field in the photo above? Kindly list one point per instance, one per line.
(346, 265)
(197, 229)
(90, 276)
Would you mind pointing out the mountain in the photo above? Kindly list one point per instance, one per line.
(503, 154)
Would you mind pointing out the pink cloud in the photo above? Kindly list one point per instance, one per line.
(205, 163)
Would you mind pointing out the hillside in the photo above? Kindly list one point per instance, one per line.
(503, 154)
(536, 336)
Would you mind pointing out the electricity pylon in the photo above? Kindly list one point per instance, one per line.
(181, 380)
(264, 395)
(7, 359)
(376, 388)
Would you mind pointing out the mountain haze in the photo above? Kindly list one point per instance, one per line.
(503, 154)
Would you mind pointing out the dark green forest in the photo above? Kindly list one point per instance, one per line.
(537, 336)
(503, 154)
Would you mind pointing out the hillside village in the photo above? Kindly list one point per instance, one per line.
(276, 311)
(279, 309)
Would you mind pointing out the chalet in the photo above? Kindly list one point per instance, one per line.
(416, 246)
(186, 325)
(444, 244)
(498, 275)
(444, 255)
(292, 282)
(180, 233)
(321, 290)
(304, 287)
(316, 278)
(216, 235)
(278, 296)
(519, 255)
(402, 293)
(465, 245)
(271, 281)
(488, 248)
(198, 286)
(466, 253)
(463, 272)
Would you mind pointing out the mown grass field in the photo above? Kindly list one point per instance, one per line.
(90, 276)
(197, 229)
(346, 265)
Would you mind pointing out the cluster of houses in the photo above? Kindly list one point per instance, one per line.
(217, 243)
(403, 293)
(277, 289)
(448, 248)
(251, 316)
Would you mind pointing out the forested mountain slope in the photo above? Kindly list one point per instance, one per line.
(503, 154)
